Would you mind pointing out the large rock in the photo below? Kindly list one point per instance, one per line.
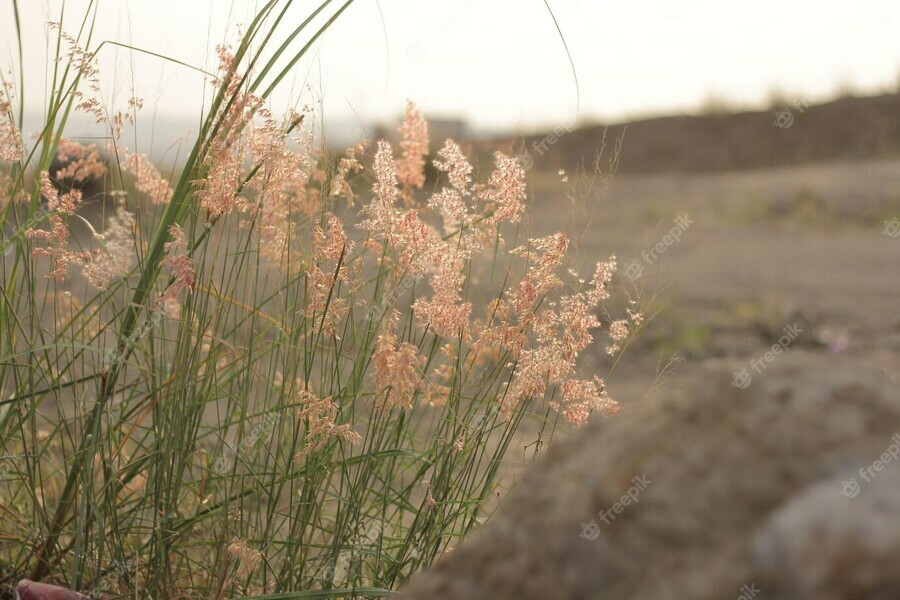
(772, 491)
(31, 590)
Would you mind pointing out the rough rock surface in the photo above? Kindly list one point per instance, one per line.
(735, 494)
(31, 590)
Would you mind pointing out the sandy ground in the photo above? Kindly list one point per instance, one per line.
(746, 242)
(765, 249)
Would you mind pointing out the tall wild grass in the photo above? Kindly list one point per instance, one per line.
(273, 373)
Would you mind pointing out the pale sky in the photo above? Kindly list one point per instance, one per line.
(500, 63)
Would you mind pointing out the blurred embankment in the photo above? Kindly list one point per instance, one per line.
(846, 129)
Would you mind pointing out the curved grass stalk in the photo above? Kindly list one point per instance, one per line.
(181, 200)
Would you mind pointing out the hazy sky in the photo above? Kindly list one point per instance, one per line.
(500, 63)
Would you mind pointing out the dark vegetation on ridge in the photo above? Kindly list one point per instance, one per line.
(850, 128)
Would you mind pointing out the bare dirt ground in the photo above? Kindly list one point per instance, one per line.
(805, 242)
(760, 460)
(765, 249)
(771, 491)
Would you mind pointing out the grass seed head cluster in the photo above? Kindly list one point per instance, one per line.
(305, 347)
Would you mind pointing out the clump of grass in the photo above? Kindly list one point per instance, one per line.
(227, 389)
